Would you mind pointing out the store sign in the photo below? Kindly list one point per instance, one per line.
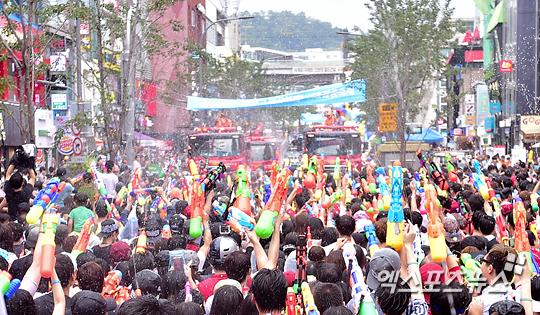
(59, 101)
(65, 146)
(489, 124)
(530, 124)
(506, 66)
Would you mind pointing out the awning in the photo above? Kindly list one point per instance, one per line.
(147, 141)
(474, 56)
(484, 6)
(497, 17)
(428, 135)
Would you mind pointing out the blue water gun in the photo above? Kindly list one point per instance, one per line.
(394, 234)
(239, 220)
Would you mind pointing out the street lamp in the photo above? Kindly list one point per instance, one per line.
(203, 36)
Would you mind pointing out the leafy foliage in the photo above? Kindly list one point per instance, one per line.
(288, 31)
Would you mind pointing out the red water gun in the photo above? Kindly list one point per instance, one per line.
(84, 237)
(265, 225)
(435, 228)
(521, 239)
(274, 172)
(136, 179)
(311, 177)
(48, 249)
(123, 295)
(291, 302)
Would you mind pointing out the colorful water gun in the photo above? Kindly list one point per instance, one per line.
(371, 212)
(273, 171)
(417, 246)
(521, 239)
(5, 279)
(121, 195)
(141, 243)
(136, 179)
(480, 185)
(328, 202)
(452, 176)
(50, 222)
(44, 198)
(394, 233)
(267, 188)
(213, 176)
(371, 181)
(534, 202)
(84, 237)
(166, 232)
(242, 190)
(290, 303)
(309, 302)
(111, 282)
(462, 206)
(14, 285)
(373, 243)
(311, 177)
(185, 187)
(531, 155)
(193, 169)
(435, 228)
(470, 268)
(155, 204)
(240, 221)
(197, 206)
(77, 178)
(385, 192)
(265, 225)
(143, 191)
(319, 190)
(123, 295)
(493, 196)
(360, 292)
(301, 264)
(304, 166)
(433, 170)
(162, 209)
(337, 170)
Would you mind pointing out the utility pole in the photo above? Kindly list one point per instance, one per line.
(128, 71)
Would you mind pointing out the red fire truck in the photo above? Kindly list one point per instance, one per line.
(344, 142)
(219, 144)
(264, 150)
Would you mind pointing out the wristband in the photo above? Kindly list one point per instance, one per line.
(449, 254)
(206, 228)
(55, 282)
(526, 299)
(412, 263)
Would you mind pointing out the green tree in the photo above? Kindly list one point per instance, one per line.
(401, 55)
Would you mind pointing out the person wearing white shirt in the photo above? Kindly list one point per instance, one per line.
(110, 179)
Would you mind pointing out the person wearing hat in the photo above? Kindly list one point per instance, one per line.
(91, 303)
(120, 251)
(148, 282)
(109, 234)
(17, 190)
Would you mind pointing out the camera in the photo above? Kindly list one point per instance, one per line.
(21, 158)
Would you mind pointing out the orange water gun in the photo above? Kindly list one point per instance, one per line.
(274, 172)
(111, 282)
(123, 295)
(136, 179)
(319, 190)
(48, 249)
(265, 225)
(435, 228)
(371, 181)
(84, 238)
(141, 243)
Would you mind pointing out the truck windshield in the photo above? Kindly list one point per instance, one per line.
(333, 145)
(212, 146)
(262, 152)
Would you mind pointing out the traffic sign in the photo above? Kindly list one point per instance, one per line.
(387, 117)
(469, 108)
(469, 120)
(440, 121)
(76, 131)
(458, 132)
(77, 146)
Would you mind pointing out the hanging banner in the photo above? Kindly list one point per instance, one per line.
(354, 91)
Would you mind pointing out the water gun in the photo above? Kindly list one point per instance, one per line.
(365, 186)
(360, 292)
(418, 182)
(470, 268)
(480, 185)
(531, 155)
(433, 170)
(121, 195)
(142, 191)
(304, 166)
(371, 181)
(213, 176)
(77, 178)
(478, 169)
(155, 203)
(337, 169)
(111, 282)
(185, 187)
(197, 205)
(320, 187)
(521, 239)
(328, 202)
(265, 225)
(100, 185)
(123, 295)
(534, 202)
(273, 171)
(309, 302)
(267, 188)
(371, 212)
(452, 176)
(50, 222)
(84, 237)
(44, 198)
(311, 177)
(242, 190)
(380, 203)
(493, 196)
(417, 246)
(162, 209)
(301, 264)
(349, 171)
(239, 220)
(290, 303)
(189, 296)
(435, 228)
(394, 233)
(373, 243)
(166, 232)
(309, 210)
(462, 206)
(5, 278)
(141, 243)
(219, 210)
(385, 192)
(136, 179)
(14, 285)
(320, 166)
(308, 237)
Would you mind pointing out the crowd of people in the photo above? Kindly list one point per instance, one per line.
(323, 257)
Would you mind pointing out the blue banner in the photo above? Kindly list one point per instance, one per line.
(354, 91)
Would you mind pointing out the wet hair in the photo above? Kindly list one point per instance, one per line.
(142, 261)
(85, 257)
(173, 282)
(227, 300)
(316, 253)
(476, 202)
(337, 310)
(336, 257)
(497, 256)
(441, 303)
(64, 269)
(190, 308)
(479, 242)
(345, 225)
(394, 299)
(248, 307)
(177, 242)
(91, 276)
(81, 199)
(127, 278)
(237, 266)
(329, 273)
(269, 288)
(196, 296)
(17, 230)
(317, 227)
(487, 224)
(100, 208)
(380, 229)
(327, 295)
(21, 303)
(16, 180)
(302, 220)
(147, 305)
(329, 236)
(68, 243)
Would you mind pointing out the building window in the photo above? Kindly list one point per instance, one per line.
(193, 18)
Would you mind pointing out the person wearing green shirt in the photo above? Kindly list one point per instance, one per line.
(78, 216)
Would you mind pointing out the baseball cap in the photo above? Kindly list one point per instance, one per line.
(176, 223)
(190, 255)
(153, 231)
(89, 303)
(120, 251)
(385, 260)
(290, 276)
(148, 282)
(507, 307)
(31, 236)
(108, 227)
(432, 275)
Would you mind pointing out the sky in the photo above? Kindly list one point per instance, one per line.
(341, 13)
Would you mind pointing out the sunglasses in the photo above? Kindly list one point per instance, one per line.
(486, 261)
